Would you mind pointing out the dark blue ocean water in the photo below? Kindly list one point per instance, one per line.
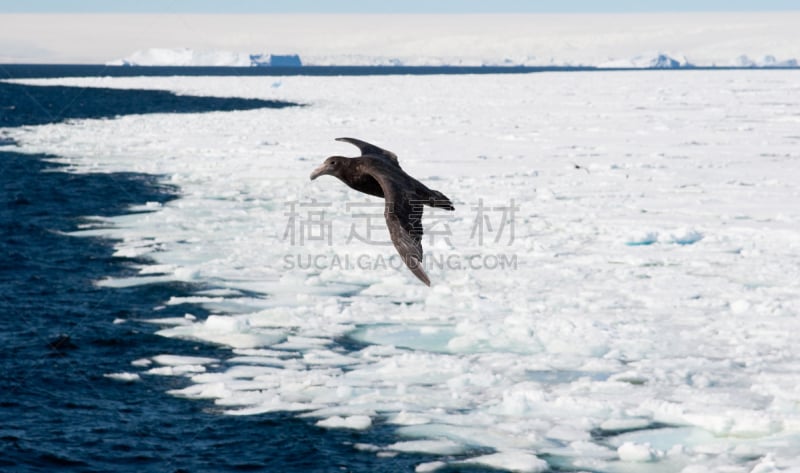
(19, 71)
(57, 337)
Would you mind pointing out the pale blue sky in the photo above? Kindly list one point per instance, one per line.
(389, 6)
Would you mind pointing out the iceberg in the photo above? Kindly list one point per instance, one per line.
(648, 61)
(663, 61)
(213, 58)
(183, 57)
(275, 60)
(766, 61)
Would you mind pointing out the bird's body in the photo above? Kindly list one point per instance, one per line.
(377, 172)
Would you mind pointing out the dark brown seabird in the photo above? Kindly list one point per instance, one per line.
(377, 172)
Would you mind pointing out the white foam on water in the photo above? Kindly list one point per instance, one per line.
(649, 322)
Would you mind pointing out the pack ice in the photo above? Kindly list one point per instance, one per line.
(649, 322)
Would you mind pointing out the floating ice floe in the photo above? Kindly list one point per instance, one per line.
(124, 377)
(351, 422)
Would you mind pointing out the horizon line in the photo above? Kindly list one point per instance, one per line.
(433, 13)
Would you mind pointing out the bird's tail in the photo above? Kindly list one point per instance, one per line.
(438, 200)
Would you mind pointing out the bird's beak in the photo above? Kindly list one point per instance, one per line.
(323, 169)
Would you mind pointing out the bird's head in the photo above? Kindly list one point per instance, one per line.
(333, 166)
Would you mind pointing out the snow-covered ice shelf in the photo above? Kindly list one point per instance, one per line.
(647, 60)
(650, 324)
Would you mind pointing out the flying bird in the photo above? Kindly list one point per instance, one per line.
(377, 172)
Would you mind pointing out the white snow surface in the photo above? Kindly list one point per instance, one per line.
(650, 324)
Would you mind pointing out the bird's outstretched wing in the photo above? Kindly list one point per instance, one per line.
(404, 220)
(370, 149)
